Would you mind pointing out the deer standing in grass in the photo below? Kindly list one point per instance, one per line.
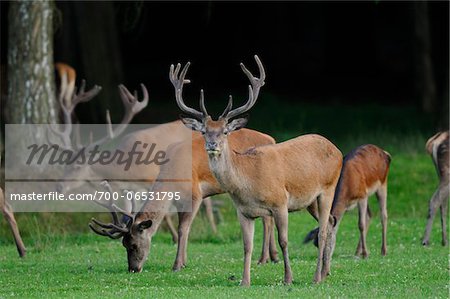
(438, 147)
(9, 216)
(364, 172)
(270, 180)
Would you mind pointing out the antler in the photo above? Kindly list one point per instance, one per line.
(132, 107)
(117, 228)
(178, 81)
(253, 91)
(69, 99)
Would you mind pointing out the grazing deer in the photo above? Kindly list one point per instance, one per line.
(162, 135)
(137, 229)
(9, 216)
(438, 147)
(270, 180)
(364, 172)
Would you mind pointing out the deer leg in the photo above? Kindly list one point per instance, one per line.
(281, 221)
(209, 213)
(444, 209)
(9, 216)
(265, 256)
(382, 200)
(368, 219)
(313, 209)
(173, 231)
(362, 209)
(329, 247)
(323, 261)
(248, 230)
(435, 202)
(272, 244)
(184, 226)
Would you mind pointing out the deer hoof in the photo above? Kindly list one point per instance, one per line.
(274, 259)
(288, 281)
(245, 283)
(177, 268)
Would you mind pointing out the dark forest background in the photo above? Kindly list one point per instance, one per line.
(314, 52)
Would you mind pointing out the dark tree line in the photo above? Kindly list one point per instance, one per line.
(92, 37)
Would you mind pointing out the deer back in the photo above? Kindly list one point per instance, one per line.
(302, 166)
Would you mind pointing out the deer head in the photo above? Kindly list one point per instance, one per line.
(133, 232)
(215, 131)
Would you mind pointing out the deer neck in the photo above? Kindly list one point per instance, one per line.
(339, 205)
(154, 210)
(224, 169)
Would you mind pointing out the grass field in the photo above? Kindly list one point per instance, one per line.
(66, 260)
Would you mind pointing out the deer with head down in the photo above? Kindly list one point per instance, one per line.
(364, 172)
(438, 147)
(269, 180)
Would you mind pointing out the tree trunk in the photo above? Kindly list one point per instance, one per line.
(424, 82)
(31, 87)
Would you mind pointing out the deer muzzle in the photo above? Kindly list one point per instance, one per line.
(212, 148)
(135, 269)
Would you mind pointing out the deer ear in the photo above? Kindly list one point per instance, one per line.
(193, 124)
(237, 124)
(144, 225)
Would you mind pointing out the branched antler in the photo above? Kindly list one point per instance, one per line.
(253, 91)
(69, 98)
(178, 81)
(132, 107)
(118, 228)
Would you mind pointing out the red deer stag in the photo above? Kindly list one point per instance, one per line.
(364, 172)
(270, 180)
(438, 147)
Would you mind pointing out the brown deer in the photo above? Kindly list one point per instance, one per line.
(9, 216)
(438, 147)
(364, 172)
(270, 180)
(137, 229)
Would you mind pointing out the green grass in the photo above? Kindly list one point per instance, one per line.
(66, 260)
